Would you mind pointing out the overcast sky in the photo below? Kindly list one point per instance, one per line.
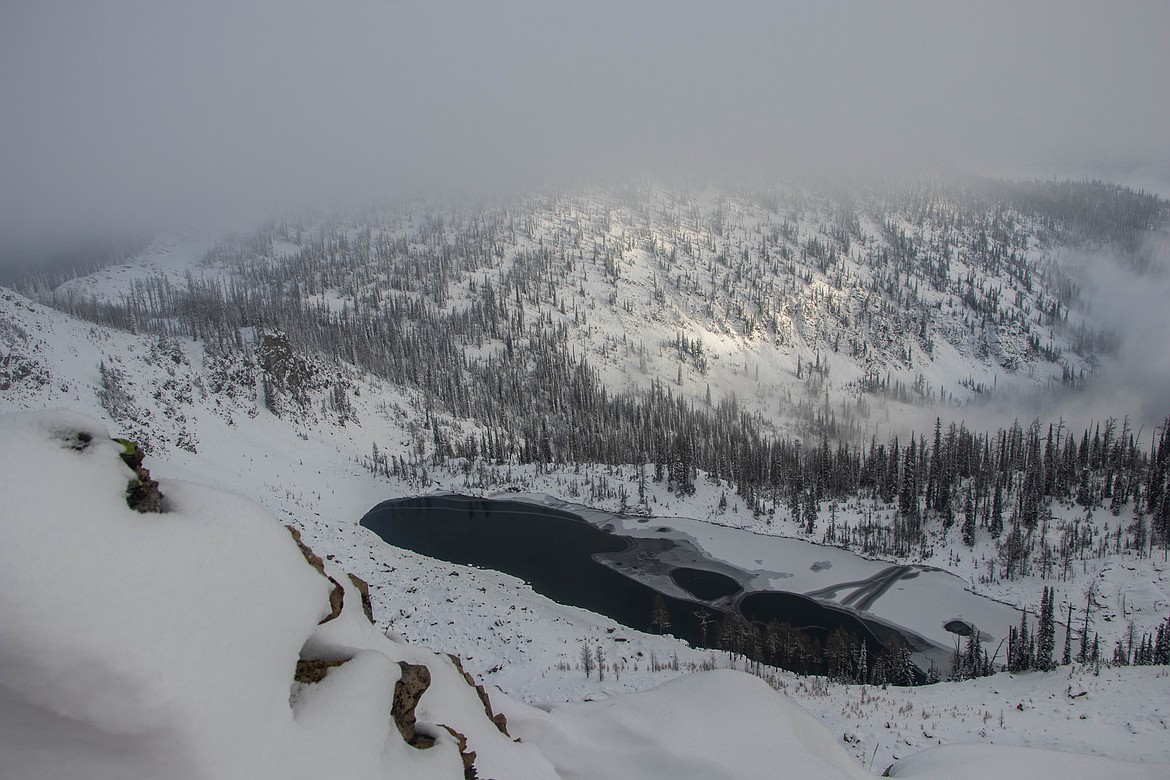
(136, 115)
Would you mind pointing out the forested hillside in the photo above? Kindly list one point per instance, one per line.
(779, 340)
(325, 363)
(804, 308)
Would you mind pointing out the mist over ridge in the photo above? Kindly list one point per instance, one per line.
(125, 119)
(135, 116)
(855, 312)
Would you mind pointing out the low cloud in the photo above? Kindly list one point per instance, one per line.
(119, 117)
(122, 118)
(1133, 306)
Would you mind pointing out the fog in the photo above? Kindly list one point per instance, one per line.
(1134, 307)
(1133, 381)
(130, 116)
(118, 119)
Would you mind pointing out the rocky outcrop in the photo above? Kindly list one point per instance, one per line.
(336, 601)
(262, 682)
(314, 670)
(142, 493)
(413, 682)
(313, 558)
(364, 589)
(410, 687)
(468, 756)
(499, 719)
(337, 595)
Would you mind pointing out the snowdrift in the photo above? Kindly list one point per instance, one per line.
(167, 645)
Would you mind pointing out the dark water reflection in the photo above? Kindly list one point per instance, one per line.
(707, 585)
(557, 553)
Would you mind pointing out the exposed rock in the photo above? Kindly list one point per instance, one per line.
(286, 377)
(459, 665)
(499, 719)
(337, 595)
(468, 756)
(414, 682)
(364, 589)
(313, 670)
(142, 493)
(310, 556)
(336, 601)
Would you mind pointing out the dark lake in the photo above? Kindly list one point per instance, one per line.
(704, 584)
(549, 549)
(556, 552)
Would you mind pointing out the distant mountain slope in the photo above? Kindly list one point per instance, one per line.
(812, 309)
(270, 423)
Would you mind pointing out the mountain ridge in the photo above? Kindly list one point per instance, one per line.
(319, 440)
(775, 300)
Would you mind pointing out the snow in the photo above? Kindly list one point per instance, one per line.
(137, 645)
(977, 762)
(88, 588)
(920, 599)
(1119, 713)
(677, 730)
(134, 645)
(170, 257)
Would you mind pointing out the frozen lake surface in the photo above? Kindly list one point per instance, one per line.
(615, 564)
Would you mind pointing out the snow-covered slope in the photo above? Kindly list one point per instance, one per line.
(172, 644)
(209, 416)
(308, 471)
(801, 305)
(711, 724)
(191, 643)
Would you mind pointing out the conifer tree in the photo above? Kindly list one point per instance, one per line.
(1045, 631)
(1021, 647)
(957, 671)
(969, 520)
(973, 656)
(996, 527)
